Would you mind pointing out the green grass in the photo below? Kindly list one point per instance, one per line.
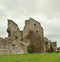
(51, 57)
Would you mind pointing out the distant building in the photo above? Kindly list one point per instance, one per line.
(47, 44)
(54, 46)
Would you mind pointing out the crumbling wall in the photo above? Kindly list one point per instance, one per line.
(54, 46)
(15, 38)
(34, 32)
(4, 46)
(32, 36)
(50, 46)
(13, 30)
(13, 43)
(47, 44)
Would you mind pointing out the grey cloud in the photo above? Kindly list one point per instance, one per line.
(31, 7)
(53, 36)
(52, 28)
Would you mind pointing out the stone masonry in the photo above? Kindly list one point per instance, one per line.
(32, 36)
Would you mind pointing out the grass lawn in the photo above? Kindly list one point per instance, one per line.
(51, 57)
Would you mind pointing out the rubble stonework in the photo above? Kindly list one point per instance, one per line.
(54, 46)
(46, 44)
(18, 42)
(33, 31)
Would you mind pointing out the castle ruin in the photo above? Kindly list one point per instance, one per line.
(32, 36)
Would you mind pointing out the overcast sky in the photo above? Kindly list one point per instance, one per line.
(47, 12)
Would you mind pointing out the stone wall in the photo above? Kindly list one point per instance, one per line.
(19, 41)
(13, 44)
(33, 31)
(54, 46)
(46, 45)
(13, 31)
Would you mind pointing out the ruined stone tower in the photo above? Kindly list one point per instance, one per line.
(33, 32)
(13, 31)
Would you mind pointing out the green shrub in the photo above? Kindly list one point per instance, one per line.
(30, 50)
(51, 49)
